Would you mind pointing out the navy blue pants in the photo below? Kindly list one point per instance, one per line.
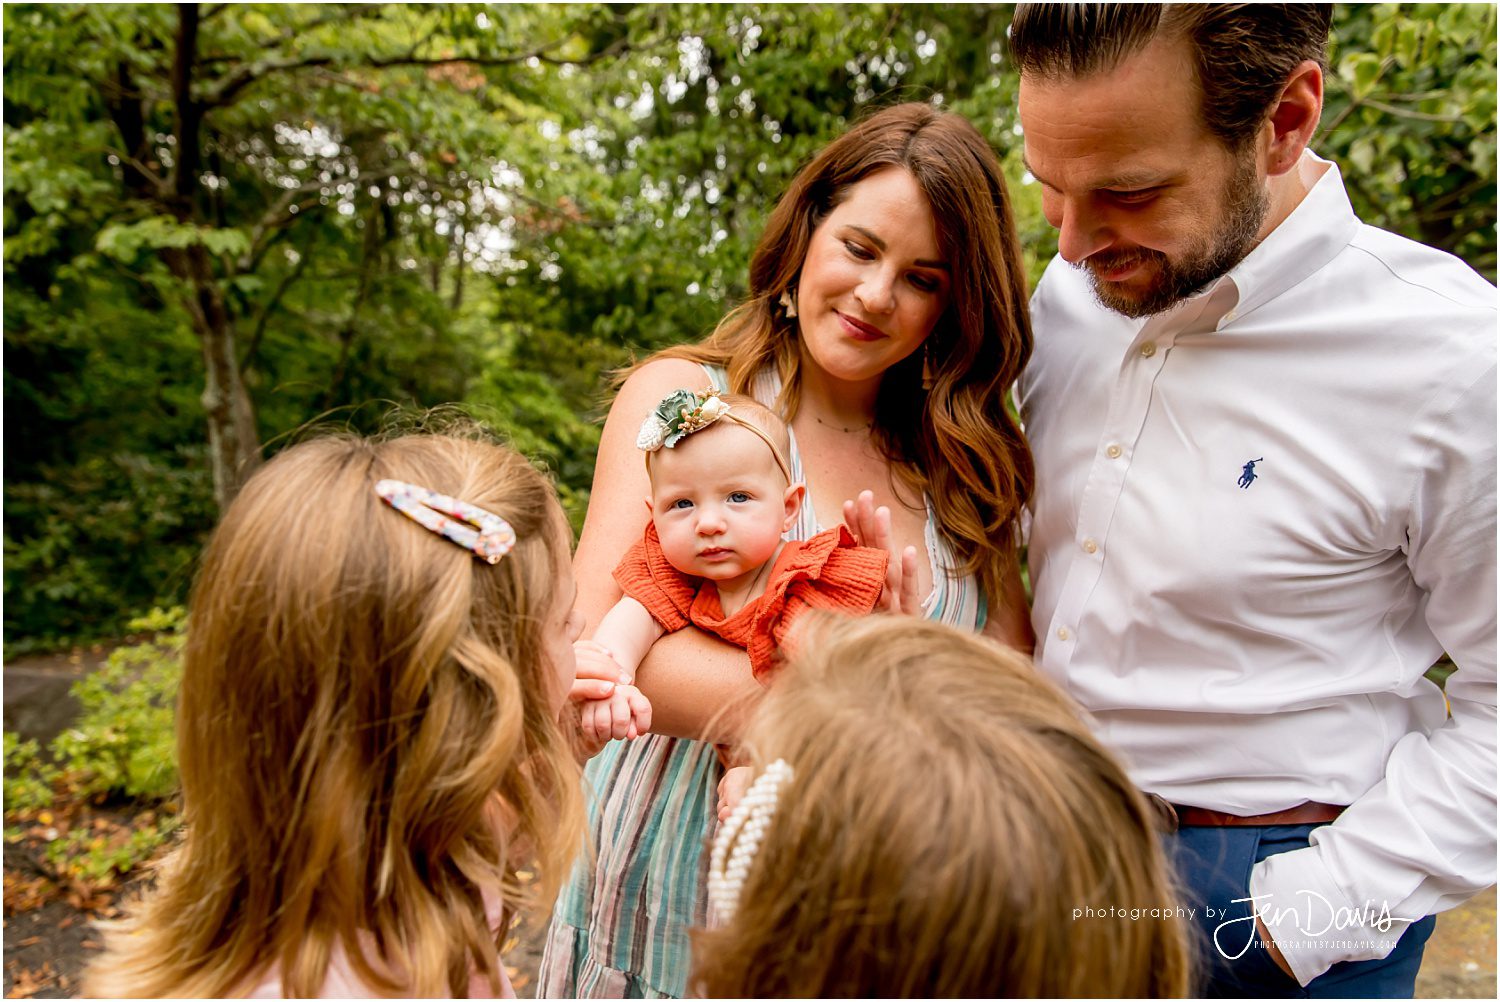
(1213, 866)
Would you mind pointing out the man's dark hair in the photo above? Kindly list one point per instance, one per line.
(1243, 52)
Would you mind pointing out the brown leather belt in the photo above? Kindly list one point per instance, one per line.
(1174, 816)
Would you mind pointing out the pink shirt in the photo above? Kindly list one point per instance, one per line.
(342, 983)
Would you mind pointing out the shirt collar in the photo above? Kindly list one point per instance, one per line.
(1321, 226)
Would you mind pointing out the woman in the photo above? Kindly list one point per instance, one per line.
(886, 322)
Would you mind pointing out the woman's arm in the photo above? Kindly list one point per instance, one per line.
(688, 676)
(1009, 619)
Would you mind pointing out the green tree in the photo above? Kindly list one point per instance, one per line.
(1410, 116)
(223, 222)
(214, 146)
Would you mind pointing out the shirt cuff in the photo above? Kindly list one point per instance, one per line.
(1313, 922)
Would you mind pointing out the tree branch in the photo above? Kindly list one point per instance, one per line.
(264, 315)
(342, 14)
(280, 213)
(1354, 102)
(157, 181)
(237, 81)
(1420, 116)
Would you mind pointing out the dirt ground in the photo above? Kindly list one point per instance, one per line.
(49, 938)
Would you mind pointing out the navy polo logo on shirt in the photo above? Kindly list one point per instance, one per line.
(1247, 475)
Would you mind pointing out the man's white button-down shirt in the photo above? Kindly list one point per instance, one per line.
(1260, 518)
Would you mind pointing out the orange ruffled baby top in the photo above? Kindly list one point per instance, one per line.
(827, 571)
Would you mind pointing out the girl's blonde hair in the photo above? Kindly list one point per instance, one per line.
(948, 813)
(365, 733)
(948, 434)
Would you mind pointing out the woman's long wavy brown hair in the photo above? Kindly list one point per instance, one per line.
(955, 440)
(365, 733)
(948, 812)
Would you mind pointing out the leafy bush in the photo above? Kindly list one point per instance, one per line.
(95, 543)
(28, 777)
(124, 743)
(122, 747)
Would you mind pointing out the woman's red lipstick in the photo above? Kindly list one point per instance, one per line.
(858, 329)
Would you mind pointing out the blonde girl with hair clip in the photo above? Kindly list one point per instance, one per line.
(713, 555)
(380, 646)
(978, 842)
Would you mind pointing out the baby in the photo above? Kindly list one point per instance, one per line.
(722, 495)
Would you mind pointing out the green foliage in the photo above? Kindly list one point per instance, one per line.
(123, 743)
(122, 747)
(84, 544)
(98, 857)
(490, 205)
(1410, 116)
(29, 777)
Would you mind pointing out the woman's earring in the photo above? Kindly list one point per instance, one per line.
(927, 365)
(788, 301)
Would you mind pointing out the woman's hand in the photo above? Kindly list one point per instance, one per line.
(595, 677)
(871, 526)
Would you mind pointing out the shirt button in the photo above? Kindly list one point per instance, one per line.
(1114, 451)
(1148, 349)
(1089, 546)
(1062, 633)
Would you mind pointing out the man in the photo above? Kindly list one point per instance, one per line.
(1265, 447)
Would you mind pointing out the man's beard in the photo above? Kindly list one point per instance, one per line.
(1245, 207)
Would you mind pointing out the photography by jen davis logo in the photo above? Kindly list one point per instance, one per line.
(1135, 914)
(1314, 917)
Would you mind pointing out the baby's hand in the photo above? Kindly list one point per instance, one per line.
(624, 714)
(732, 789)
(871, 526)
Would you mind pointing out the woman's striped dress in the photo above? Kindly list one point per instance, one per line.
(620, 929)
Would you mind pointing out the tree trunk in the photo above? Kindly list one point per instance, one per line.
(233, 443)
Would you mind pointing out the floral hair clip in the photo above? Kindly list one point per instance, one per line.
(680, 413)
(488, 536)
(744, 830)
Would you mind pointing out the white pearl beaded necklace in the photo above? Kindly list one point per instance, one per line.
(744, 829)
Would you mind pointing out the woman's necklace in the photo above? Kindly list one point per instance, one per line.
(859, 427)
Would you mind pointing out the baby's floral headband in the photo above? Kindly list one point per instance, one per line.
(683, 412)
(680, 413)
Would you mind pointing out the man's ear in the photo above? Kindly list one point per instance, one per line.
(793, 501)
(1294, 117)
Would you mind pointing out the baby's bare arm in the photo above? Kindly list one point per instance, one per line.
(627, 632)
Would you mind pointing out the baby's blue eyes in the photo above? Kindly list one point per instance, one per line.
(738, 497)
